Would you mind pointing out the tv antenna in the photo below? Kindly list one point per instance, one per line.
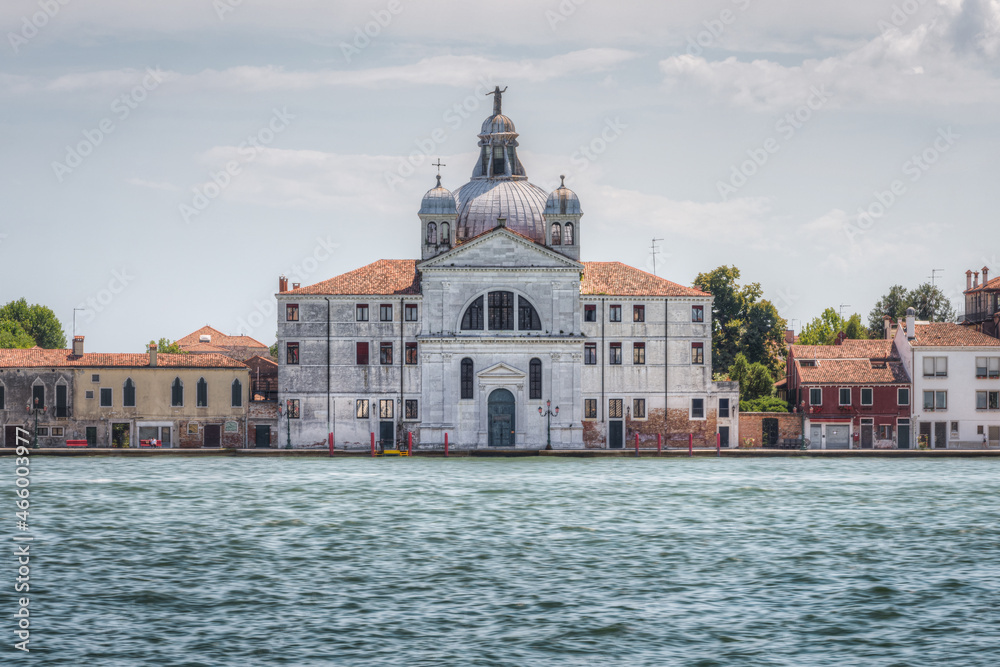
(653, 253)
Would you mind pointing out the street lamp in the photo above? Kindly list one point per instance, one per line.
(35, 410)
(288, 422)
(548, 414)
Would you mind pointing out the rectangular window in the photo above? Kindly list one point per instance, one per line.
(42, 430)
(845, 396)
(590, 313)
(3, 399)
(697, 408)
(89, 393)
(106, 397)
(385, 354)
(361, 312)
(411, 409)
(697, 313)
(411, 354)
(723, 408)
(95, 378)
(638, 353)
(500, 311)
(535, 379)
(638, 313)
(615, 408)
(590, 354)
(57, 430)
(615, 313)
(361, 408)
(615, 354)
(987, 367)
(981, 365)
(903, 396)
(987, 400)
(935, 366)
(590, 408)
(994, 367)
(292, 354)
(867, 396)
(410, 312)
(981, 400)
(385, 408)
(361, 354)
(639, 408)
(954, 430)
(697, 353)
(815, 396)
(291, 312)
(935, 400)
(385, 312)
(293, 408)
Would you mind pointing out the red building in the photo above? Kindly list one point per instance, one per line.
(855, 394)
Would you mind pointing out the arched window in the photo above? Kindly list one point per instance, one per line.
(202, 394)
(432, 233)
(468, 378)
(535, 379)
(527, 316)
(237, 394)
(177, 393)
(568, 234)
(472, 320)
(556, 234)
(128, 394)
(445, 234)
(501, 311)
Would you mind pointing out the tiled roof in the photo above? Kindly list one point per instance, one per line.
(203, 348)
(849, 349)
(382, 278)
(948, 334)
(852, 371)
(38, 358)
(993, 284)
(617, 279)
(219, 339)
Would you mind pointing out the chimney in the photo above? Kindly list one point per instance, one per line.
(841, 337)
(911, 323)
(282, 284)
(296, 285)
(77, 346)
(887, 326)
(152, 354)
(968, 279)
(986, 274)
(975, 282)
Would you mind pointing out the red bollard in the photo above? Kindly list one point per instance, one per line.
(373, 445)
(409, 443)
(446, 444)
(330, 437)
(637, 444)
(690, 444)
(659, 443)
(718, 444)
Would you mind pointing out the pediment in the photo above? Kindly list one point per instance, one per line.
(500, 371)
(501, 248)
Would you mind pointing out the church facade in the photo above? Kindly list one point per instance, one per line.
(499, 336)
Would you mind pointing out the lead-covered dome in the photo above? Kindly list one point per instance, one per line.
(482, 201)
(563, 201)
(438, 201)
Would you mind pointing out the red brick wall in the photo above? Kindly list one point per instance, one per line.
(752, 425)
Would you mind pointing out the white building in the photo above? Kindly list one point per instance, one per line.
(956, 383)
(498, 319)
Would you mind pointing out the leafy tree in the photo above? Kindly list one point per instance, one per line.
(37, 321)
(274, 351)
(13, 335)
(766, 404)
(928, 300)
(823, 330)
(165, 346)
(854, 329)
(742, 321)
(755, 379)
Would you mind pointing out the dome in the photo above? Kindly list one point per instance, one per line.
(498, 124)
(482, 201)
(911, 312)
(563, 201)
(438, 201)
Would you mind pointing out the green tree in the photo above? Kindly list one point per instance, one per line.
(166, 346)
(894, 304)
(928, 300)
(823, 330)
(37, 321)
(854, 329)
(766, 404)
(13, 335)
(742, 321)
(755, 379)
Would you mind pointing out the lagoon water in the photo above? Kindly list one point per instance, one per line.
(522, 562)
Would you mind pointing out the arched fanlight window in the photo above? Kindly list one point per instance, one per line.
(445, 234)
(468, 378)
(527, 316)
(237, 394)
(501, 311)
(202, 393)
(432, 233)
(128, 394)
(177, 393)
(556, 234)
(472, 320)
(535, 379)
(568, 234)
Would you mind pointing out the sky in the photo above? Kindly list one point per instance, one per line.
(163, 162)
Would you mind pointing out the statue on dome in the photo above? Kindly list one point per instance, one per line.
(497, 101)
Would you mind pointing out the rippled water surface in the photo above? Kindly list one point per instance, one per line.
(530, 562)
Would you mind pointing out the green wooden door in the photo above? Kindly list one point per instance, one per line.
(501, 418)
(615, 435)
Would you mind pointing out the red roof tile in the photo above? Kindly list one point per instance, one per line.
(852, 371)
(219, 339)
(37, 358)
(617, 279)
(948, 334)
(382, 278)
(849, 349)
(993, 284)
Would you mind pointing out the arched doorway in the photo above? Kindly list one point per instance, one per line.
(501, 418)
